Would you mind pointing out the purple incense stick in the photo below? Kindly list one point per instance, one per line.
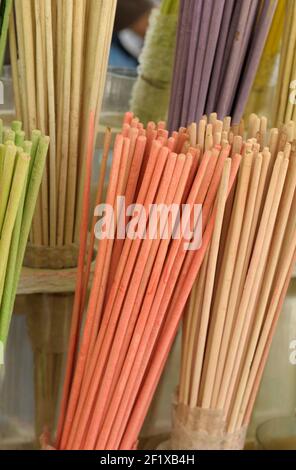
(223, 106)
(253, 16)
(220, 53)
(185, 24)
(199, 59)
(228, 48)
(213, 36)
(256, 49)
(194, 38)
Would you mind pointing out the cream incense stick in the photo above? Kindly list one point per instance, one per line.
(62, 49)
(14, 67)
(51, 120)
(236, 337)
(227, 268)
(269, 274)
(78, 32)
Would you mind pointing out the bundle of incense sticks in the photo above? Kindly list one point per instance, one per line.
(59, 55)
(151, 92)
(238, 296)
(219, 45)
(285, 100)
(141, 281)
(21, 168)
(5, 10)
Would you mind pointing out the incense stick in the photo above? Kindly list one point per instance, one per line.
(22, 167)
(225, 368)
(233, 35)
(123, 322)
(57, 90)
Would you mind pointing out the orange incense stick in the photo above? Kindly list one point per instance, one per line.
(162, 297)
(146, 258)
(164, 342)
(116, 297)
(125, 311)
(76, 316)
(99, 196)
(79, 371)
(130, 365)
(131, 187)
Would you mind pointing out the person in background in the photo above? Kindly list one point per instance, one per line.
(131, 22)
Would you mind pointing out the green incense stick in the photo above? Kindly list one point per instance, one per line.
(34, 183)
(19, 138)
(8, 299)
(6, 180)
(27, 146)
(19, 178)
(16, 126)
(35, 138)
(8, 135)
(21, 170)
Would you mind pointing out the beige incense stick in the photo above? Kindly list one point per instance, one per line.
(209, 284)
(22, 68)
(192, 131)
(226, 277)
(286, 257)
(63, 164)
(273, 143)
(257, 284)
(59, 84)
(29, 51)
(201, 134)
(259, 204)
(284, 211)
(14, 67)
(253, 279)
(194, 317)
(52, 121)
(237, 280)
(97, 38)
(41, 114)
(77, 63)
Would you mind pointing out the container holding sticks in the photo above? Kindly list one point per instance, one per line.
(198, 428)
